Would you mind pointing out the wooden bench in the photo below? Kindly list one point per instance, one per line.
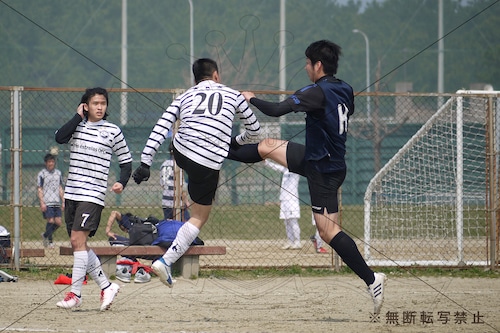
(188, 264)
(25, 252)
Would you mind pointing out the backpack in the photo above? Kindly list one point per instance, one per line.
(4, 237)
(4, 243)
(142, 231)
(167, 231)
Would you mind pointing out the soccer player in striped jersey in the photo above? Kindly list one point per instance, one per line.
(206, 112)
(51, 197)
(93, 140)
(327, 103)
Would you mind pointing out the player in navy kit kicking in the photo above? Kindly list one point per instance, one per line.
(328, 103)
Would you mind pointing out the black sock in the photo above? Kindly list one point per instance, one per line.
(348, 251)
(245, 153)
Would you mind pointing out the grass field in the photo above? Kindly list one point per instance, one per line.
(246, 222)
(254, 233)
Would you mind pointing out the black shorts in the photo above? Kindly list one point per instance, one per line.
(202, 181)
(295, 158)
(82, 216)
(323, 187)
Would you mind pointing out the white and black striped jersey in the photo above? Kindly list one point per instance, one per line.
(206, 112)
(91, 148)
(50, 182)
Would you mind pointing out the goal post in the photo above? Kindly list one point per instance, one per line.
(433, 202)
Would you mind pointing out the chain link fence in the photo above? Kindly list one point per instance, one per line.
(245, 216)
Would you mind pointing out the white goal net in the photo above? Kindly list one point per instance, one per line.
(431, 204)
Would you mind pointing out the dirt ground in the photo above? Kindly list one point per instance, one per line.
(291, 304)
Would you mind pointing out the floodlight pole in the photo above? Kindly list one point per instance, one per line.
(440, 54)
(124, 79)
(368, 107)
(282, 62)
(191, 41)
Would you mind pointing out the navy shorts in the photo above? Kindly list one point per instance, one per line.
(82, 216)
(51, 212)
(202, 181)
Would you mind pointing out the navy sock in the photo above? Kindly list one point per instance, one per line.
(348, 251)
(48, 228)
(51, 229)
(245, 153)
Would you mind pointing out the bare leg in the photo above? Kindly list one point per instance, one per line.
(274, 149)
(199, 214)
(327, 225)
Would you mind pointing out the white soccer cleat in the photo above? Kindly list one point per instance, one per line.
(70, 301)
(376, 290)
(108, 295)
(163, 271)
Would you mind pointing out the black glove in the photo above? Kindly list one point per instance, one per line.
(141, 173)
(234, 145)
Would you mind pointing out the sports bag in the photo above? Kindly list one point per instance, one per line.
(167, 231)
(142, 232)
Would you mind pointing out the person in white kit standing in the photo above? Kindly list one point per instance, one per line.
(289, 205)
(206, 112)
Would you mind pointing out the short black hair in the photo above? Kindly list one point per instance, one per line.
(90, 92)
(203, 69)
(327, 52)
(49, 157)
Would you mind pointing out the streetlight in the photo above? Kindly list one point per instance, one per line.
(368, 109)
(191, 47)
(282, 64)
(124, 66)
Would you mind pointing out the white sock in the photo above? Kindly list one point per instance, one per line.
(95, 270)
(294, 224)
(319, 241)
(80, 263)
(289, 230)
(185, 236)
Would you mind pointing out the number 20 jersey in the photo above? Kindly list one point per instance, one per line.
(206, 112)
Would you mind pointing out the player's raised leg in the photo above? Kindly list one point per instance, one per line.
(274, 149)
